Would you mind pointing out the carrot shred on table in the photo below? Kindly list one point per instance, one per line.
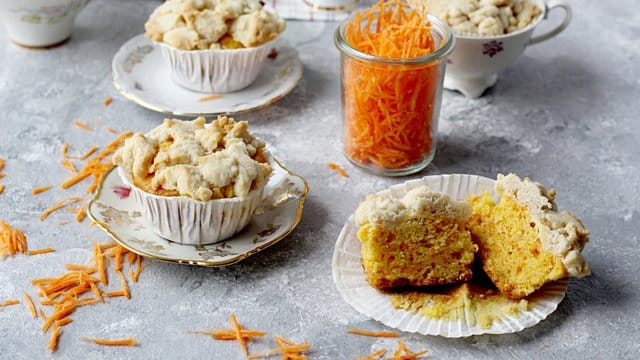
(125, 287)
(388, 108)
(30, 305)
(229, 334)
(112, 130)
(288, 348)
(82, 125)
(99, 260)
(107, 342)
(57, 206)
(373, 333)
(42, 315)
(374, 355)
(238, 329)
(41, 189)
(81, 212)
(41, 251)
(107, 246)
(67, 164)
(210, 98)
(57, 315)
(79, 267)
(9, 303)
(403, 353)
(55, 336)
(1, 188)
(131, 258)
(117, 293)
(107, 101)
(12, 240)
(338, 169)
(136, 274)
(63, 322)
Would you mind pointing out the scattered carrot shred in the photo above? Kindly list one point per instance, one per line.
(374, 355)
(55, 336)
(81, 212)
(63, 322)
(373, 333)
(82, 125)
(42, 315)
(210, 98)
(289, 350)
(107, 342)
(403, 353)
(41, 251)
(30, 305)
(131, 257)
(238, 331)
(41, 189)
(63, 222)
(125, 287)
(9, 303)
(107, 101)
(12, 241)
(387, 107)
(338, 169)
(57, 206)
(69, 166)
(117, 293)
(1, 188)
(78, 267)
(112, 130)
(2, 163)
(229, 334)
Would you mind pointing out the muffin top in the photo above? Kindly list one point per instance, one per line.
(390, 212)
(482, 17)
(196, 160)
(213, 24)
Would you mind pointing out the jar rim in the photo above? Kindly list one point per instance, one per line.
(439, 54)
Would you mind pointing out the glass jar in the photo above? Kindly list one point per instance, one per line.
(390, 107)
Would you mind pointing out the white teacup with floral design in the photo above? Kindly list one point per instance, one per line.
(39, 23)
(476, 60)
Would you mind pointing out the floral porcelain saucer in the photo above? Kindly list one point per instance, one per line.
(141, 75)
(117, 213)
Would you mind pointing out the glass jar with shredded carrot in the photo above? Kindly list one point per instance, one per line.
(393, 59)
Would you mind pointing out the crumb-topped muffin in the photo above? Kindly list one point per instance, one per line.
(191, 159)
(524, 241)
(196, 183)
(417, 240)
(213, 24)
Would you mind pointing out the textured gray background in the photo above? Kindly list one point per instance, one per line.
(565, 114)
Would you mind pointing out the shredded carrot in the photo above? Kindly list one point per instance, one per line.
(373, 333)
(99, 259)
(229, 334)
(289, 349)
(41, 189)
(41, 251)
(1, 188)
(136, 274)
(107, 246)
(106, 342)
(125, 287)
(338, 169)
(42, 315)
(31, 305)
(57, 206)
(210, 97)
(12, 241)
(69, 166)
(238, 331)
(131, 257)
(57, 315)
(80, 213)
(82, 125)
(9, 303)
(388, 108)
(374, 355)
(63, 322)
(107, 101)
(63, 222)
(116, 293)
(55, 336)
(2, 163)
(403, 353)
(112, 130)
(78, 267)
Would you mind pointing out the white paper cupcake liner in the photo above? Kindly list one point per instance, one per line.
(216, 71)
(191, 222)
(352, 285)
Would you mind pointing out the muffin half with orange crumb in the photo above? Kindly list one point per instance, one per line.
(524, 241)
(417, 240)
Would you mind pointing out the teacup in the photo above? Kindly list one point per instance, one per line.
(473, 66)
(40, 23)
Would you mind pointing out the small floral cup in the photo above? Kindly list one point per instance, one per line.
(40, 23)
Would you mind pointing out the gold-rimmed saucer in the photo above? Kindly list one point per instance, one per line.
(117, 213)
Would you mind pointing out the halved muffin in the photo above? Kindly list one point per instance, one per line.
(524, 241)
(417, 240)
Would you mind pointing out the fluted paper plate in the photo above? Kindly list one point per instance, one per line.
(350, 278)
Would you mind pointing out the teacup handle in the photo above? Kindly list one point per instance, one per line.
(550, 5)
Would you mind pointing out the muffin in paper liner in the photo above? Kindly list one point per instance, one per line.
(191, 222)
(216, 70)
(349, 276)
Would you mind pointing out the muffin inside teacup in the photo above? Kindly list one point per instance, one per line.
(214, 45)
(485, 18)
(197, 183)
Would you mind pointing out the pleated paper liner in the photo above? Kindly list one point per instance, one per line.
(350, 278)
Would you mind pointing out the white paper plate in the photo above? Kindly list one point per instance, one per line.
(350, 278)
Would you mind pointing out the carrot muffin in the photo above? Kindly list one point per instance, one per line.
(524, 241)
(195, 160)
(417, 240)
(213, 24)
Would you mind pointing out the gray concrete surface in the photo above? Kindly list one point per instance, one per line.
(565, 114)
